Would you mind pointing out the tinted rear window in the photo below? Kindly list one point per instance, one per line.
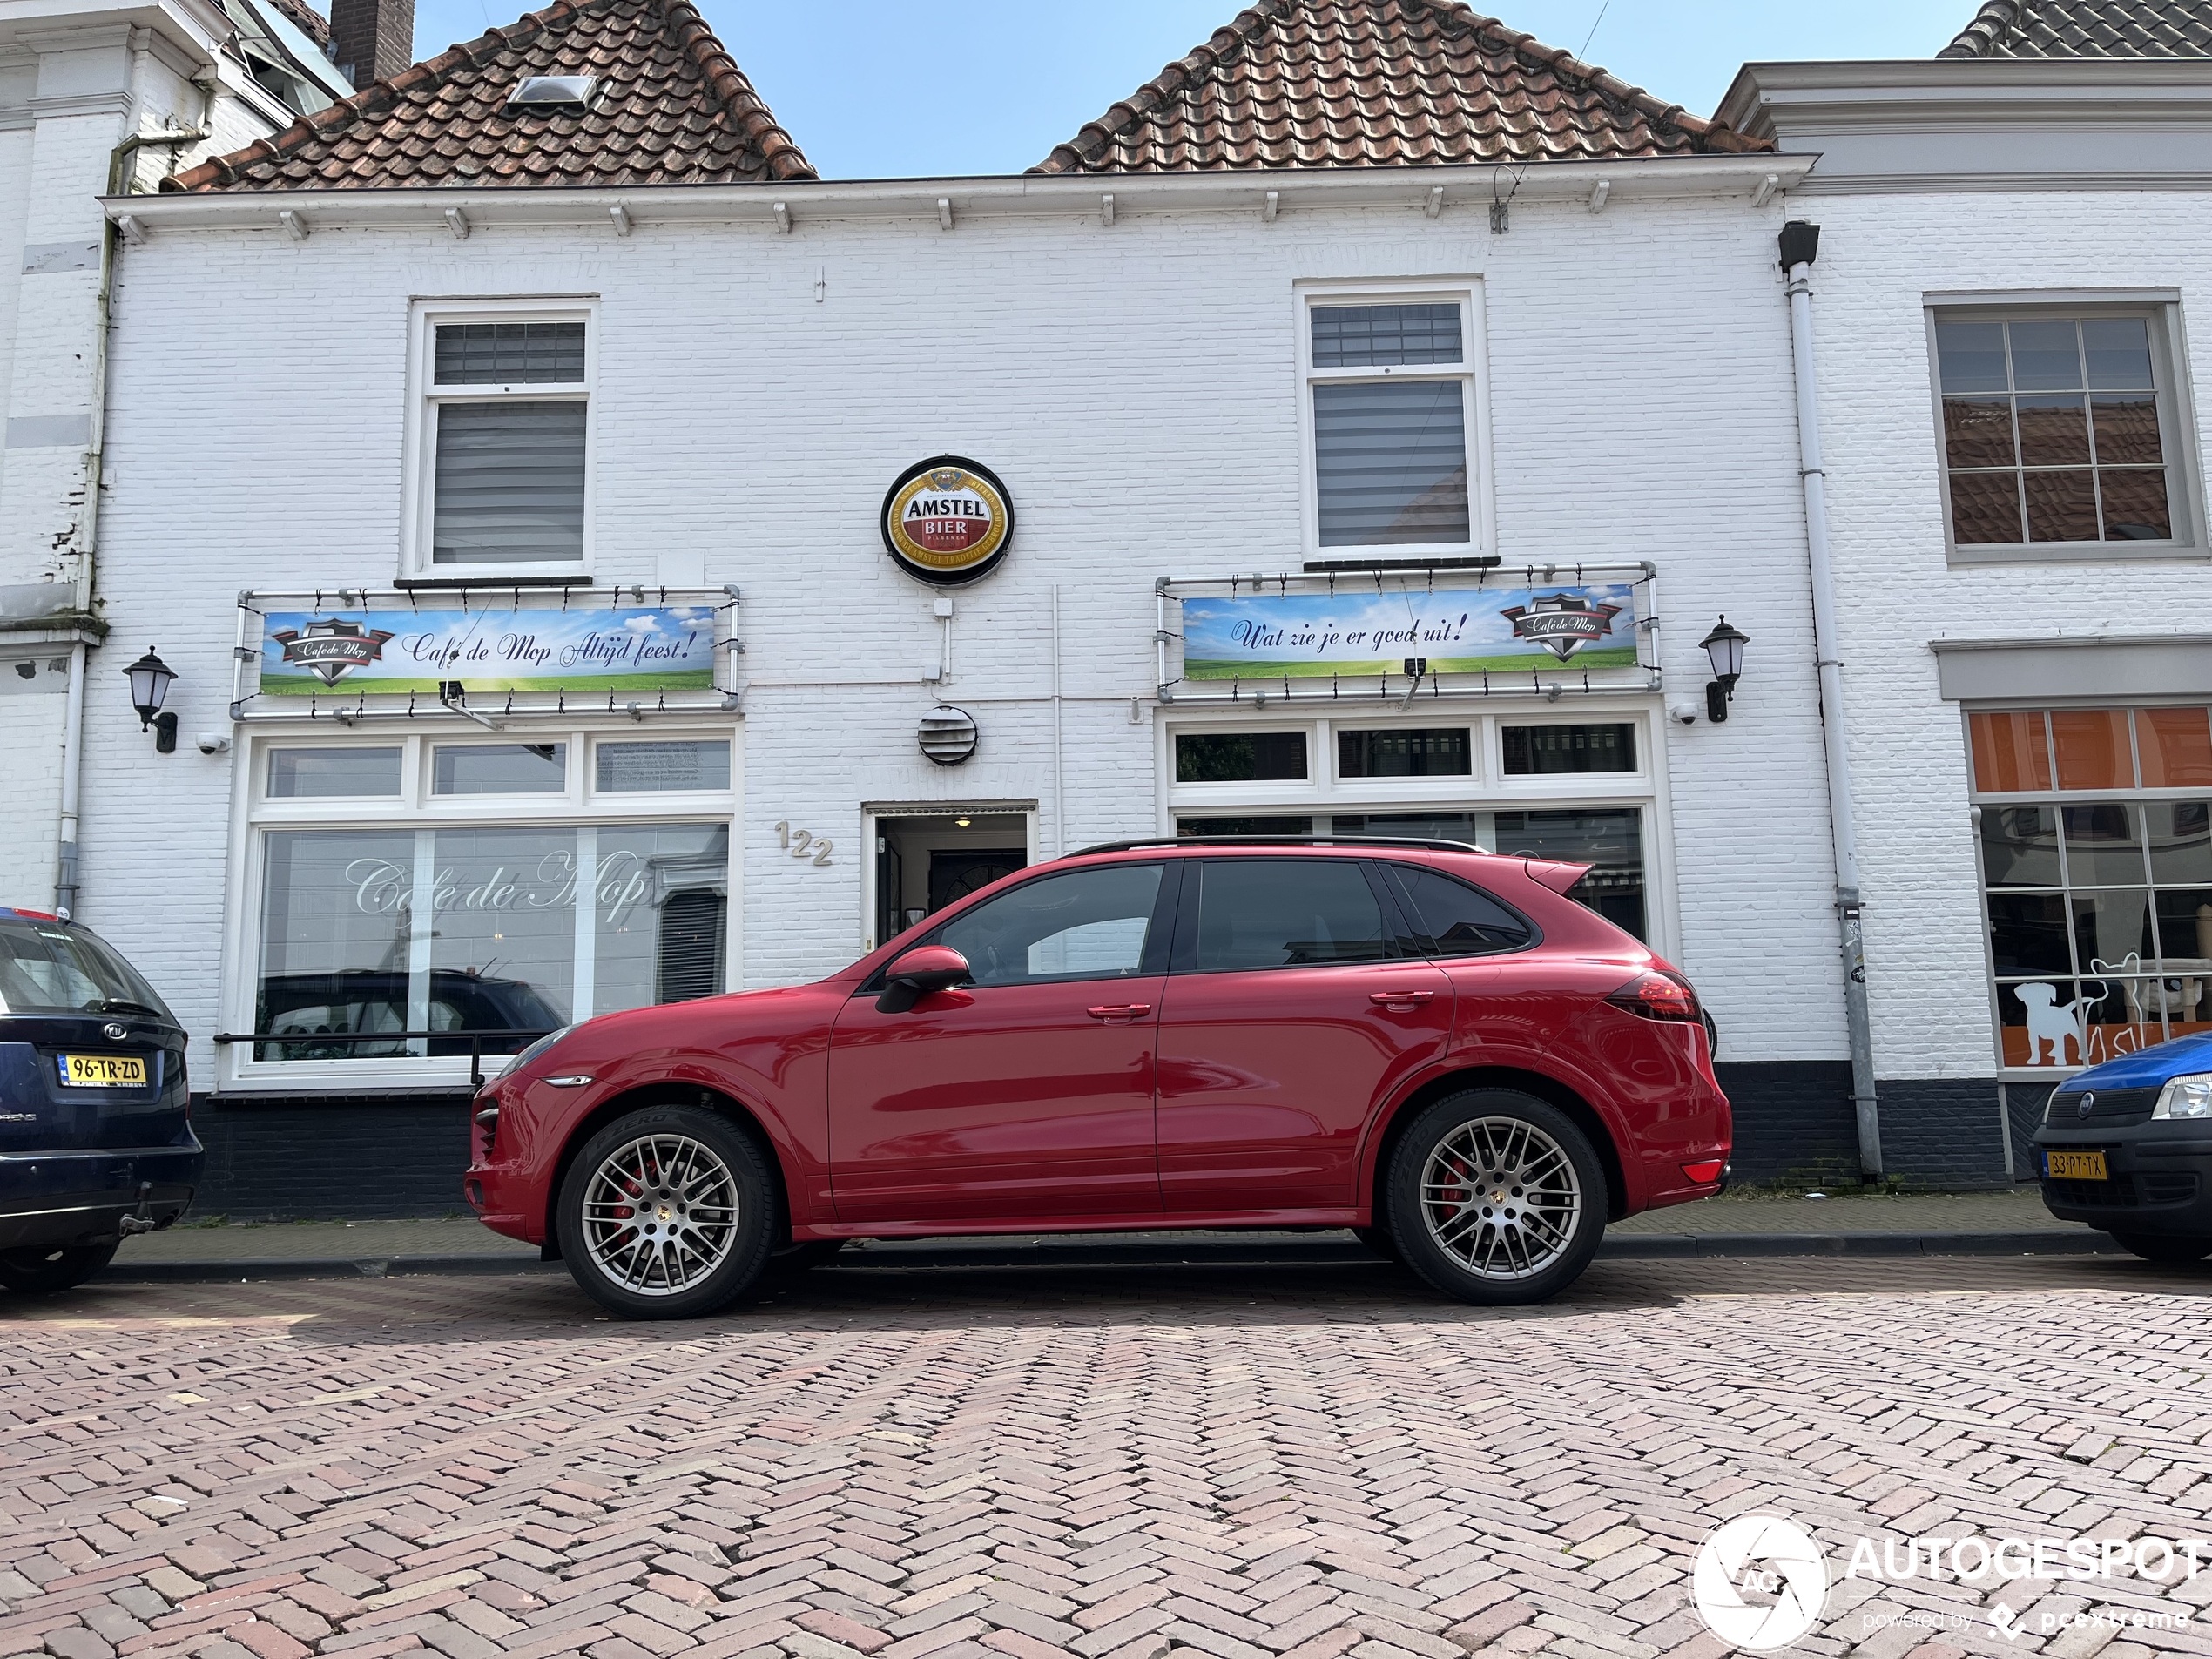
(1286, 913)
(1460, 920)
(47, 969)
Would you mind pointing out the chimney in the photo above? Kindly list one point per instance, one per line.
(371, 40)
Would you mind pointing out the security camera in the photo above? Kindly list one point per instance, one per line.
(213, 743)
(1686, 712)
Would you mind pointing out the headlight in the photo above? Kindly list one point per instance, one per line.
(2186, 1097)
(539, 1046)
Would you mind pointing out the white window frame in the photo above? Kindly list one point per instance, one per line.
(1472, 372)
(424, 397)
(578, 805)
(2161, 309)
(1323, 793)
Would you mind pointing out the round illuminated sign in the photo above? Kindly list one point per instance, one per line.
(947, 521)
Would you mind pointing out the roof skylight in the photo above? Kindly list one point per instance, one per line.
(554, 91)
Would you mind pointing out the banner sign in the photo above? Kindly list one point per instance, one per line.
(666, 648)
(1460, 630)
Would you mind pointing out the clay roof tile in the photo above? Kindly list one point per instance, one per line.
(1378, 82)
(2086, 28)
(672, 107)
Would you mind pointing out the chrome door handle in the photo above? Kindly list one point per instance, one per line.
(1122, 1011)
(1400, 998)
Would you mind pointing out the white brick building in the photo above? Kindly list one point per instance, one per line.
(2028, 185)
(1169, 344)
(94, 99)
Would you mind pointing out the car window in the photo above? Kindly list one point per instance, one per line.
(1286, 913)
(48, 968)
(1459, 920)
(1081, 924)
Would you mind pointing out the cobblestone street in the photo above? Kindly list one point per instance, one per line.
(1302, 1461)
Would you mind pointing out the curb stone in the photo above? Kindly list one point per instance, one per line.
(1225, 1252)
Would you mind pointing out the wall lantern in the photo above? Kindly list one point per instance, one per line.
(1725, 646)
(150, 679)
(948, 735)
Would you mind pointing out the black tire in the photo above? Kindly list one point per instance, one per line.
(810, 1253)
(40, 1270)
(707, 1232)
(1513, 1244)
(1378, 1239)
(2166, 1247)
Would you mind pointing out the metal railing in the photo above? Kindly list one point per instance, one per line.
(474, 1037)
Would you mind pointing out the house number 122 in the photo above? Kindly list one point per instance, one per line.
(804, 844)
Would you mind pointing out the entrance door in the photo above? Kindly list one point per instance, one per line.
(925, 861)
(1027, 1092)
(954, 874)
(1295, 1010)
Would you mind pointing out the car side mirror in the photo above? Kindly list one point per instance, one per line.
(921, 971)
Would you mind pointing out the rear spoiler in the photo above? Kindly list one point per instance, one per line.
(1556, 876)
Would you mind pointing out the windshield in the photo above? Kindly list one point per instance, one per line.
(47, 969)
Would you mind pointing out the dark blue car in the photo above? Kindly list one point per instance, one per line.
(96, 1139)
(2126, 1146)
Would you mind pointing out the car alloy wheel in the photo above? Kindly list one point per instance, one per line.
(669, 1212)
(660, 1214)
(1499, 1197)
(1494, 1197)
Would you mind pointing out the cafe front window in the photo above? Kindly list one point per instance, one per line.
(1579, 789)
(2095, 833)
(418, 901)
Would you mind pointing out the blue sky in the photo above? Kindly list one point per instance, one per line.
(894, 89)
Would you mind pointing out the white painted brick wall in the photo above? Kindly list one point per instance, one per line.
(1135, 387)
(1879, 257)
(64, 103)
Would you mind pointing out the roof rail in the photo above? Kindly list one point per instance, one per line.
(1280, 840)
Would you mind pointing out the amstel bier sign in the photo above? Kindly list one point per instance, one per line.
(947, 521)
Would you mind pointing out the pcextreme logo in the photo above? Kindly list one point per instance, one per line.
(1759, 1582)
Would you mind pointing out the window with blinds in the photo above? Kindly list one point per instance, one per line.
(1390, 396)
(693, 925)
(508, 409)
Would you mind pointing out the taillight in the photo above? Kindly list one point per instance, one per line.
(1658, 996)
(1705, 1173)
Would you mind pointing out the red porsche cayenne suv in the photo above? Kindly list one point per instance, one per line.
(1417, 1040)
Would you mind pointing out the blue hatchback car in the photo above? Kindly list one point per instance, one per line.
(96, 1139)
(2126, 1146)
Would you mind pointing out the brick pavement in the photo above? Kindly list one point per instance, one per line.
(1295, 1463)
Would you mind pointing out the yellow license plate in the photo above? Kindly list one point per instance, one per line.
(2075, 1166)
(104, 1070)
